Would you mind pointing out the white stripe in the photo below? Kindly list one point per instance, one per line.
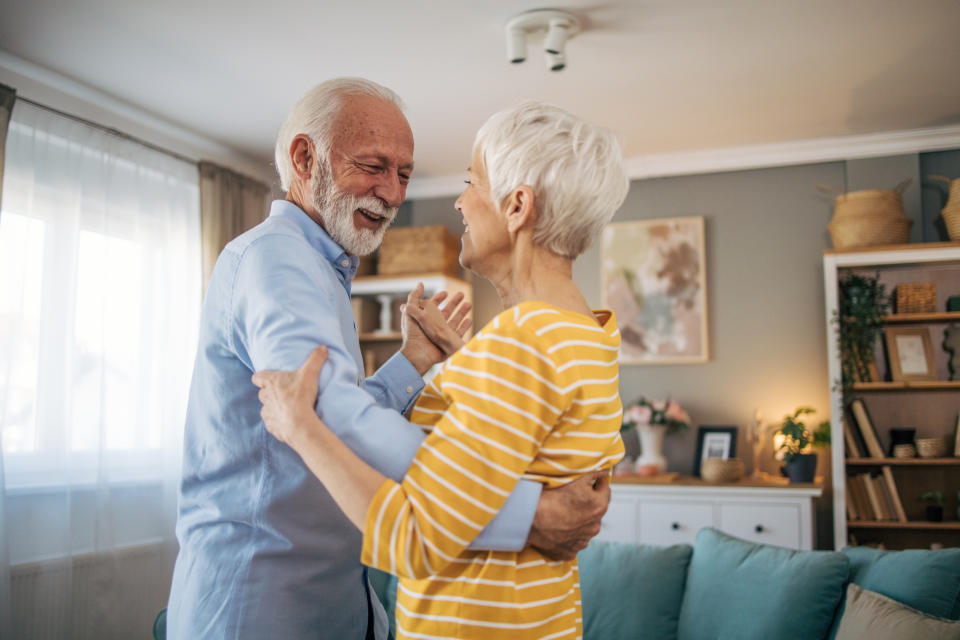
(520, 345)
(585, 401)
(423, 513)
(516, 365)
(486, 603)
(510, 385)
(411, 524)
(580, 434)
(499, 423)
(582, 343)
(505, 583)
(605, 416)
(376, 528)
(485, 355)
(443, 505)
(403, 633)
(535, 312)
(497, 401)
(453, 487)
(564, 323)
(421, 409)
(588, 363)
(560, 634)
(615, 333)
(513, 475)
(393, 544)
(455, 465)
(571, 452)
(484, 623)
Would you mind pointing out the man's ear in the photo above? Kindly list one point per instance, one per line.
(521, 211)
(302, 156)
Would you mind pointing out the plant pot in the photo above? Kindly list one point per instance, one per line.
(934, 513)
(802, 468)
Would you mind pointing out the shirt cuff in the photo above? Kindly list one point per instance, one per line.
(508, 531)
(376, 548)
(401, 379)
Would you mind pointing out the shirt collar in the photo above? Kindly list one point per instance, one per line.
(344, 263)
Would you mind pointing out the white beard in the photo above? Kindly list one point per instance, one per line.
(336, 209)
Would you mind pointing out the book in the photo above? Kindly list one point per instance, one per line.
(851, 446)
(852, 512)
(873, 496)
(956, 438)
(886, 502)
(865, 425)
(894, 494)
(862, 500)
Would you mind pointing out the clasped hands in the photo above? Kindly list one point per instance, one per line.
(431, 332)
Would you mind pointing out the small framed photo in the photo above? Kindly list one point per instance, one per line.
(714, 442)
(910, 353)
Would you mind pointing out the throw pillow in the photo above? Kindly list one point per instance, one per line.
(632, 590)
(875, 616)
(746, 591)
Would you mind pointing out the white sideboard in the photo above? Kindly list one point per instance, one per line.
(665, 514)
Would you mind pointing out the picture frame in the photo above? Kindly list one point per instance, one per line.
(654, 279)
(910, 354)
(714, 442)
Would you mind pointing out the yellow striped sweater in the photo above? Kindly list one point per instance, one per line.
(533, 395)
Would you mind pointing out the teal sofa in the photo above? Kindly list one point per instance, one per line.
(724, 588)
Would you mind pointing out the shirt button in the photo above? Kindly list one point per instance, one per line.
(409, 389)
(345, 263)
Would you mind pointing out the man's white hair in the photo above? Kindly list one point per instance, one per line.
(314, 115)
(574, 169)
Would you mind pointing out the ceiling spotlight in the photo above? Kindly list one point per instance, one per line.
(555, 27)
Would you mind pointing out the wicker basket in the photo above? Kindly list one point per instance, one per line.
(433, 249)
(932, 447)
(904, 451)
(868, 218)
(951, 210)
(917, 297)
(720, 470)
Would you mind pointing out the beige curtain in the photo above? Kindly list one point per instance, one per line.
(229, 205)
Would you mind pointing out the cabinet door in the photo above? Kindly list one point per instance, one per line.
(767, 524)
(620, 522)
(666, 523)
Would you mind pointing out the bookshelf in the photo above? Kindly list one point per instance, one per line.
(929, 406)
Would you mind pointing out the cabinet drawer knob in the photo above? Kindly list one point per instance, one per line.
(758, 528)
(675, 526)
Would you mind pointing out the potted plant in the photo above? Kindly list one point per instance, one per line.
(800, 464)
(863, 301)
(652, 421)
(934, 500)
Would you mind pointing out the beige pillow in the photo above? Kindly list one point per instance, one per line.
(877, 617)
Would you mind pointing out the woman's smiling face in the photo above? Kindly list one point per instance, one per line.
(485, 236)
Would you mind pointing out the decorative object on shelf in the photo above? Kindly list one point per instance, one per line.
(900, 436)
(863, 302)
(653, 420)
(714, 442)
(721, 470)
(431, 249)
(916, 297)
(910, 353)
(951, 210)
(953, 303)
(755, 439)
(386, 313)
(934, 500)
(869, 217)
(654, 279)
(956, 437)
(951, 344)
(905, 451)
(800, 464)
(931, 447)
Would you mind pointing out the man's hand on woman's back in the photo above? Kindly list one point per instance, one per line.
(568, 517)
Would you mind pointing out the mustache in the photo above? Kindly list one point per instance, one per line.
(371, 204)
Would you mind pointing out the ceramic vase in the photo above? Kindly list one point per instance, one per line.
(651, 447)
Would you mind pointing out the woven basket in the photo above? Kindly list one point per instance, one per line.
(869, 218)
(931, 447)
(433, 249)
(720, 470)
(917, 297)
(904, 451)
(951, 211)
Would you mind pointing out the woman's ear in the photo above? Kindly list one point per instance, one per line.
(521, 211)
(302, 156)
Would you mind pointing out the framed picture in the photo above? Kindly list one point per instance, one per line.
(654, 280)
(910, 353)
(714, 442)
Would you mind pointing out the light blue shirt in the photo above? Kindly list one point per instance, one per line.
(264, 550)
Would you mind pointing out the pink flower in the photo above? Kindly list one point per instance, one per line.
(639, 414)
(659, 405)
(674, 412)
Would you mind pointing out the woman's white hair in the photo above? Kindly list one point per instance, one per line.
(574, 169)
(315, 114)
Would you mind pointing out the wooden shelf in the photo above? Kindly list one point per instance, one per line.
(891, 524)
(895, 247)
(908, 318)
(925, 385)
(393, 336)
(903, 462)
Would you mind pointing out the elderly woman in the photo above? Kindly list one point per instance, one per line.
(532, 395)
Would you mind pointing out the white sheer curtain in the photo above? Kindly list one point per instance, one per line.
(100, 282)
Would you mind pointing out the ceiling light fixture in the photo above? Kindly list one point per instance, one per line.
(558, 27)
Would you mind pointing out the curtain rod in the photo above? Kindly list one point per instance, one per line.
(110, 130)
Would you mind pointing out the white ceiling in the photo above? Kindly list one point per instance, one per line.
(668, 76)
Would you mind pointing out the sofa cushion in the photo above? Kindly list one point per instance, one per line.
(738, 589)
(928, 581)
(875, 616)
(631, 590)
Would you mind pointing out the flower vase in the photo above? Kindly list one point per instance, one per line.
(651, 449)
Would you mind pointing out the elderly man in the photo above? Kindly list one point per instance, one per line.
(264, 550)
